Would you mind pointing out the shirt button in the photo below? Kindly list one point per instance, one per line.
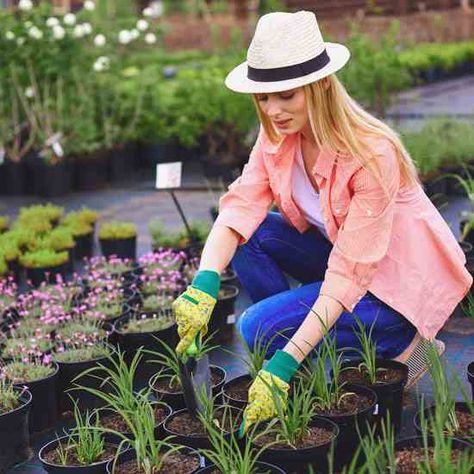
(390, 300)
(369, 212)
(325, 219)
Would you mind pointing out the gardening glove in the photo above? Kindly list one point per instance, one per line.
(193, 308)
(277, 373)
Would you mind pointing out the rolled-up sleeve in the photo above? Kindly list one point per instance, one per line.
(246, 203)
(364, 237)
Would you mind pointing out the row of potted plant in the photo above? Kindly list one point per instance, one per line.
(324, 416)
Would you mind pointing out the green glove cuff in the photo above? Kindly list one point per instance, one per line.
(282, 365)
(208, 281)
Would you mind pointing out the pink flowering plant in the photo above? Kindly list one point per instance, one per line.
(111, 266)
(17, 348)
(103, 303)
(140, 323)
(28, 369)
(8, 293)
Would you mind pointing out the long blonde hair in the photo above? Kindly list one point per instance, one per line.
(341, 124)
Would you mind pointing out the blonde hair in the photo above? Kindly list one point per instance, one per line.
(342, 125)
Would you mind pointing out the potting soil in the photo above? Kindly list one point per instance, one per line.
(408, 458)
(315, 436)
(174, 463)
(52, 457)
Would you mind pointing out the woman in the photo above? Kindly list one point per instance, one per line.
(355, 227)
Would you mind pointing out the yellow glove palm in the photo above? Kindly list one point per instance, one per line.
(261, 404)
(192, 310)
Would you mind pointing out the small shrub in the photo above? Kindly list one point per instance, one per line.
(116, 230)
(44, 258)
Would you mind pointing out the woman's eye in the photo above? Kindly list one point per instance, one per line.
(262, 97)
(287, 97)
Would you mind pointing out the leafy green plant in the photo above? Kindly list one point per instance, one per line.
(116, 230)
(58, 239)
(82, 353)
(9, 249)
(24, 372)
(293, 422)
(85, 215)
(48, 212)
(226, 453)
(9, 397)
(368, 352)
(161, 237)
(119, 377)
(85, 440)
(43, 258)
(4, 220)
(138, 323)
(78, 228)
(157, 302)
(467, 305)
(3, 266)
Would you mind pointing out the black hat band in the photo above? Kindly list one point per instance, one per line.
(289, 72)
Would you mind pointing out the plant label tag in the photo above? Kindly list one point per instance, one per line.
(58, 149)
(2, 155)
(376, 409)
(231, 319)
(168, 175)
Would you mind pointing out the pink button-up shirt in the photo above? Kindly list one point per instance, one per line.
(398, 247)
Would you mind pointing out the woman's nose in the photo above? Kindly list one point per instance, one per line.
(273, 108)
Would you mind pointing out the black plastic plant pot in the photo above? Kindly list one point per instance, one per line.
(418, 442)
(197, 441)
(228, 276)
(470, 377)
(260, 468)
(115, 439)
(37, 275)
(428, 413)
(14, 434)
(50, 180)
(301, 460)
(84, 246)
(122, 248)
(44, 405)
(435, 187)
(131, 342)
(244, 382)
(129, 455)
(222, 320)
(14, 268)
(13, 178)
(68, 379)
(389, 395)
(351, 425)
(176, 399)
(95, 468)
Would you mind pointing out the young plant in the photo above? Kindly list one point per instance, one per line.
(149, 451)
(119, 378)
(85, 440)
(227, 453)
(43, 258)
(26, 371)
(254, 357)
(444, 417)
(81, 353)
(9, 397)
(368, 352)
(139, 323)
(117, 230)
(292, 422)
(169, 360)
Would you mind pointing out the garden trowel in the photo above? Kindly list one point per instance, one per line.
(195, 377)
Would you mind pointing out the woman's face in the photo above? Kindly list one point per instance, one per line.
(287, 110)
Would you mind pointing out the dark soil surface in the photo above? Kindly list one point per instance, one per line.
(163, 384)
(466, 425)
(407, 458)
(238, 390)
(316, 437)
(185, 424)
(52, 456)
(117, 423)
(175, 463)
(360, 377)
(350, 404)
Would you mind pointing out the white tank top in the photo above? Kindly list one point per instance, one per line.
(304, 194)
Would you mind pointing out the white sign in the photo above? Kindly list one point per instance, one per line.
(168, 175)
(2, 155)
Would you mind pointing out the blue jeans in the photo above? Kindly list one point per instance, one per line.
(276, 249)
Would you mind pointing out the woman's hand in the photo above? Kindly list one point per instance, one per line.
(194, 307)
(271, 386)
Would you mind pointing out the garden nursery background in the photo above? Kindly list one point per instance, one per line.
(94, 95)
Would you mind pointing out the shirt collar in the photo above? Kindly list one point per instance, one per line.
(323, 165)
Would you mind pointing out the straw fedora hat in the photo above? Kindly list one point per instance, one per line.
(287, 51)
